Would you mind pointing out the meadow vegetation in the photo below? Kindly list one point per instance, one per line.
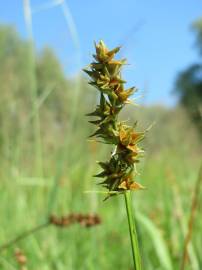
(47, 164)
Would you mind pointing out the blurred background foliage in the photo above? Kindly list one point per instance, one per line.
(47, 163)
(189, 83)
(56, 91)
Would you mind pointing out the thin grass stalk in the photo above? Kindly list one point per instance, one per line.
(180, 217)
(24, 235)
(71, 26)
(85, 220)
(36, 122)
(194, 206)
(132, 230)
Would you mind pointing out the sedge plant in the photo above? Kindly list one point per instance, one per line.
(119, 172)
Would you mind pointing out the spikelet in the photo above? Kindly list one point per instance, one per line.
(105, 75)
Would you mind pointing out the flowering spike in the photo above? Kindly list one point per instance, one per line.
(105, 75)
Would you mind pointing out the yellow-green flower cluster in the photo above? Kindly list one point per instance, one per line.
(105, 74)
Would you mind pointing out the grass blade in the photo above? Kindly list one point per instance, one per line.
(157, 241)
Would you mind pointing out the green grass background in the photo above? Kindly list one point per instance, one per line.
(47, 164)
(29, 193)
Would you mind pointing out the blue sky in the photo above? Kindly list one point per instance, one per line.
(155, 36)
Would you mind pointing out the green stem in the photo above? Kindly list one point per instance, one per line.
(133, 233)
(23, 236)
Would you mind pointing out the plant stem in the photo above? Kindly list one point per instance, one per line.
(33, 88)
(24, 235)
(194, 205)
(133, 233)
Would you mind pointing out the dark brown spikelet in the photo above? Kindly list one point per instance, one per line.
(119, 171)
(85, 220)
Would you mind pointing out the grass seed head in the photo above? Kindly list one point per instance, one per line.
(85, 220)
(105, 75)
